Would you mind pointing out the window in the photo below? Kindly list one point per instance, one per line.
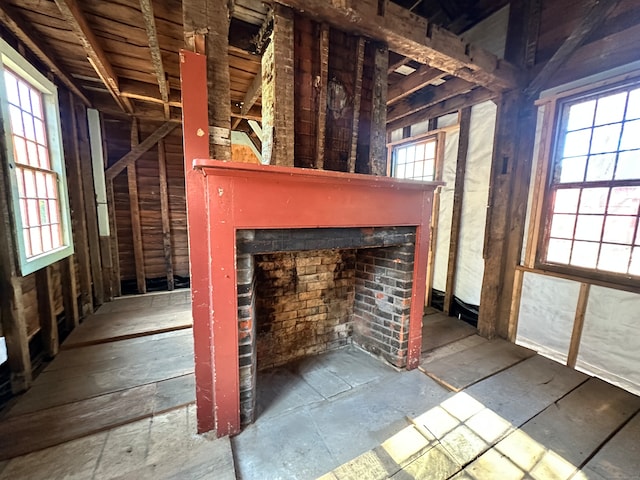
(415, 160)
(594, 199)
(35, 163)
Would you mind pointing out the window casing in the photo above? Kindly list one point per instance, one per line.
(415, 159)
(39, 200)
(593, 197)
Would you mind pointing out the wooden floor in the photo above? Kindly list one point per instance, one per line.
(118, 403)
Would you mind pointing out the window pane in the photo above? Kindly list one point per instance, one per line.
(420, 151)
(562, 226)
(631, 135)
(585, 254)
(43, 156)
(25, 101)
(53, 211)
(36, 240)
(572, 169)
(601, 167)
(32, 212)
(577, 143)
(29, 130)
(429, 168)
(400, 171)
(411, 153)
(56, 239)
(46, 239)
(594, 200)
(430, 150)
(20, 181)
(36, 104)
(628, 165)
(20, 151)
(614, 258)
(619, 229)
(418, 169)
(611, 108)
(40, 134)
(566, 200)
(589, 227)
(41, 185)
(402, 156)
(32, 153)
(559, 251)
(16, 121)
(624, 200)
(581, 115)
(605, 139)
(633, 107)
(30, 183)
(11, 85)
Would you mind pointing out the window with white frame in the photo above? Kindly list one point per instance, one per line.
(29, 110)
(415, 159)
(594, 185)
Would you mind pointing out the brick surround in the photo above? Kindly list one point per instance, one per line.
(296, 299)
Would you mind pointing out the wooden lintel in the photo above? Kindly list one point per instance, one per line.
(17, 25)
(321, 123)
(456, 216)
(413, 82)
(165, 214)
(75, 18)
(46, 311)
(134, 210)
(154, 46)
(414, 37)
(253, 93)
(595, 16)
(357, 97)
(138, 150)
(427, 97)
(451, 105)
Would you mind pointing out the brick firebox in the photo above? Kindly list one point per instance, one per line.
(305, 291)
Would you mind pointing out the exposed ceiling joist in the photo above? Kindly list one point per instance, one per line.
(415, 37)
(156, 58)
(428, 97)
(13, 21)
(73, 15)
(595, 16)
(254, 92)
(413, 82)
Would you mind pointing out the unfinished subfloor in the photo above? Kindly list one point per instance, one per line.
(118, 403)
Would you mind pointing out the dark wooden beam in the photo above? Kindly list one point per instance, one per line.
(413, 82)
(46, 311)
(475, 96)
(414, 37)
(253, 93)
(165, 214)
(138, 150)
(456, 216)
(24, 32)
(357, 97)
(156, 57)
(428, 97)
(69, 286)
(596, 13)
(73, 15)
(399, 62)
(134, 211)
(321, 122)
(378, 132)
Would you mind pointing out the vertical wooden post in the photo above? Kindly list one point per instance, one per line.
(435, 216)
(77, 196)
(456, 216)
(86, 172)
(69, 292)
(578, 324)
(46, 311)
(321, 125)
(357, 97)
(378, 142)
(14, 325)
(166, 220)
(134, 206)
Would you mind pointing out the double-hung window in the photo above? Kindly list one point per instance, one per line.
(594, 185)
(34, 164)
(415, 159)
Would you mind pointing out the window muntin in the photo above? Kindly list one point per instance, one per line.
(35, 164)
(415, 160)
(595, 184)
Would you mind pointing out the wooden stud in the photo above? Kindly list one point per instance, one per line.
(69, 286)
(46, 311)
(456, 216)
(378, 164)
(413, 82)
(357, 96)
(134, 208)
(514, 312)
(77, 199)
(166, 220)
(90, 208)
(321, 123)
(138, 150)
(435, 216)
(578, 324)
(113, 231)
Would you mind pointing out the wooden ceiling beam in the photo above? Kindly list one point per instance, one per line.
(24, 32)
(253, 93)
(254, 114)
(415, 37)
(413, 82)
(428, 97)
(156, 57)
(475, 96)
(73, 15)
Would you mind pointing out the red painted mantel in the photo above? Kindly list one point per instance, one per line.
(224, 197)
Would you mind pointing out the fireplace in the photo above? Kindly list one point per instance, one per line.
(228, 204)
